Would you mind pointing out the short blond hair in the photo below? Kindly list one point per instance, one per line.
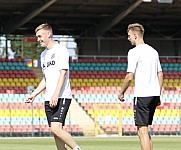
(136, 27)
(44, 26)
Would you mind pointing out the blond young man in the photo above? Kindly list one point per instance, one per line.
(55, 68)
(144, 67)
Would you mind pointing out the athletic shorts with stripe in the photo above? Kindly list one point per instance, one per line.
(144, 109)
(58, 113)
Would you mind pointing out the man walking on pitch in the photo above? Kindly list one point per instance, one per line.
(144, 67)
(55, 68)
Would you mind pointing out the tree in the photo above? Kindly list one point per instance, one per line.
(24, 48)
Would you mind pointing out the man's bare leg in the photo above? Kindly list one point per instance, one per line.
(145, 138)
(59, 143)
(61, 135)
(151, 143)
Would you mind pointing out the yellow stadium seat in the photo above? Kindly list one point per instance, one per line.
(120, 83)
(28, 113)
(101, 80)
(90, 111)
(85, 80)
(110, 84)
(21, 80)
(176, 81)
(24, 84)
(112, 80)
(165, 81)
(90, 80)
(74, 80)
(170, 84)
(2, 83)
(26, 80)
(162, 112)
(10, 79)
(170, 80)
(15, 80)
(174, 113)
(117, 80)
(42, 113)
(4, 113)
(4, 79)
(7, 84)
(72, 84)
(122, 80)
(18, 83)
(32, 80)
(36, 113)
(127, 113)
(104, 84)
(94, 84)
(37, 80)
(157, 112)
(12, 84)
(88, 84)
(79, 80)
(77, 84)
(132, 83)
(116, 84)
(106, 80)
(96, 80)
(24, 113)
(35, 84)
(29, 83)
(99, 84)
(165, 84)
(175, 84)
(83, 84)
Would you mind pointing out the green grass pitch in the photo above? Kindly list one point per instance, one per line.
(93, 143)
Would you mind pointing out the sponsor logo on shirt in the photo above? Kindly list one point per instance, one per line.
(50, 63)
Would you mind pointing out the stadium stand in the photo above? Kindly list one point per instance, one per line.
(16, 117)
(97, 82)
(95, 86)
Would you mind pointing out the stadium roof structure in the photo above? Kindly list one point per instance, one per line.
(91, 18)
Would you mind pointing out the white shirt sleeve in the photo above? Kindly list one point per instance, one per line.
(63, 58)
(132, 62)
(42, 57)
(159, 66)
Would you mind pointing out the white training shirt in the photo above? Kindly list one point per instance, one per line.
(143, 61)
(52, 61)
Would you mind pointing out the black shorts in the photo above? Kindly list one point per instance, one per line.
(58, 113)
(144, 109)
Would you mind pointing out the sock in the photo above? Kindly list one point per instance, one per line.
(76, 148)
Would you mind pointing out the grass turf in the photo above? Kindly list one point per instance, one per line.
(123, 143)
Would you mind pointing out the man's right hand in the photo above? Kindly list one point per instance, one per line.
(121, 97)
(29, 99)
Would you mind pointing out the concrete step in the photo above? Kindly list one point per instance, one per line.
(82, 118)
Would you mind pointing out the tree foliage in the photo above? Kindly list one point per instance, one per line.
(27, 50)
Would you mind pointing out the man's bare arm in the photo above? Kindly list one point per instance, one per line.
(128, 78)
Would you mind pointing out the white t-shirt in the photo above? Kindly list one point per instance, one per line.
(52, 61)
(143, 61)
